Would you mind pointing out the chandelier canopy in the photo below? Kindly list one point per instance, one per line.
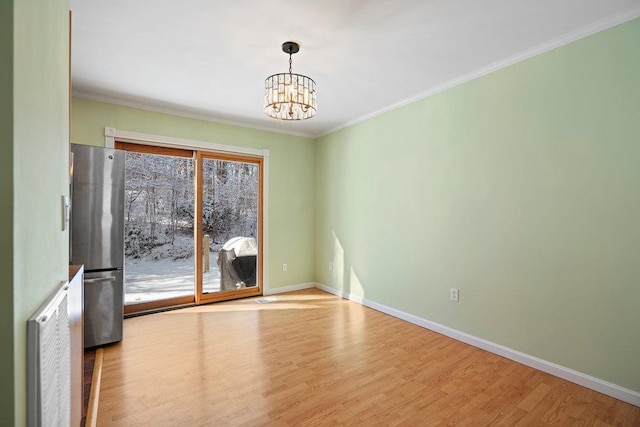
(290, 96)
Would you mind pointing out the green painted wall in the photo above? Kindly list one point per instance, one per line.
(6, 212)
(520, 188)
(291, 177)
(40, 169)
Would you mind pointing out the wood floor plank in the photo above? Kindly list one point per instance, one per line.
(94, 392)
(310, 358)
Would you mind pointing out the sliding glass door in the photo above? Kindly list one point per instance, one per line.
(172, 259)
(229, 189)
(159, 239)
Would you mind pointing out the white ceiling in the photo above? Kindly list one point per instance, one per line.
(209, 58)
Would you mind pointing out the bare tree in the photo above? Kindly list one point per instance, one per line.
(160, 202)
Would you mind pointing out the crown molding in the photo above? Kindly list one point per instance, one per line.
(596, 27)
(180, 113)
(568, 38)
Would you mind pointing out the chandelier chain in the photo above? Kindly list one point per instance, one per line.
(290, 62)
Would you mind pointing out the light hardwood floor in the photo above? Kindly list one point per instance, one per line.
(311, 358)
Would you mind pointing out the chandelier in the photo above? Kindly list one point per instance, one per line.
(290, 96)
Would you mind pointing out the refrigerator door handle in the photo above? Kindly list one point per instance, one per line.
(100, 279)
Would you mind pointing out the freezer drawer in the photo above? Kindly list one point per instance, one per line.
(103, 307)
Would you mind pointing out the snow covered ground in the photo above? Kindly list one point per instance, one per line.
(149, 280)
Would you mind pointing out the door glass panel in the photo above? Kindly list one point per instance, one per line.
(230, 191)
(159, 242)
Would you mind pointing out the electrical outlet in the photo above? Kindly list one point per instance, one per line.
(284, 267)
(330, 266)
(454, 295)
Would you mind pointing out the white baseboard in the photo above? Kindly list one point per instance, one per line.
(330, 290)
(593, 383)
(290, 288)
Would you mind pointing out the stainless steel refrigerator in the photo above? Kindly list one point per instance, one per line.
(97, 238)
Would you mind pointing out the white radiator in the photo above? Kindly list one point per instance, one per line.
(49, 363)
